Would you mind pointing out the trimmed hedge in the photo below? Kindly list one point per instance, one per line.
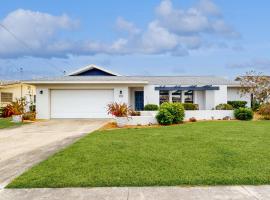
(224, 106)
(237, 104)
(190, 106)
(151, 107)
(243, 114)
(170, 113)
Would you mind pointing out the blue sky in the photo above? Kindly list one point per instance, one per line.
(156, 37)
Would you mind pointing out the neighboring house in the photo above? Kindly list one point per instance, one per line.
(12, 90)
(86, 92)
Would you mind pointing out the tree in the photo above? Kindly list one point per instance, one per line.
(256, 84)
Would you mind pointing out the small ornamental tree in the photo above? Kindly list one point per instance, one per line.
(256, 84)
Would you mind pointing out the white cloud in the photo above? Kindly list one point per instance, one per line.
(181, 21)
(174, 31)
(208, 7)
(255, 64)
(35, 29)
(158, 39)
(124, 25)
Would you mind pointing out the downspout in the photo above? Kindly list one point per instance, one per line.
(21, 90)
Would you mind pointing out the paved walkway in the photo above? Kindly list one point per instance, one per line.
(146, 193)
(22, 147)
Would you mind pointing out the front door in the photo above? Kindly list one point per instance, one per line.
(139, 102)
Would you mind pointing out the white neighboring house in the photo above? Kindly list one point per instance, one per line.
(12, 90)
(86, 92)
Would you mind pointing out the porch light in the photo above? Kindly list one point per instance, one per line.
(41, 92)
(121, 94)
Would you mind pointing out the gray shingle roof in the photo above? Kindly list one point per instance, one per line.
(155, 80)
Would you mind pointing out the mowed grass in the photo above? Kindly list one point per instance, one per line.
(202, 153)
(7, 123)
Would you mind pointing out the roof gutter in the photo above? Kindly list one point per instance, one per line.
(86, 82)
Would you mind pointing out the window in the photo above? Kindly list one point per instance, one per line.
(6, 97)
(177, 96)
(163, 96)
(189, 96)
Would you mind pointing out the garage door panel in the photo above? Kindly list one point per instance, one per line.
(80, 103)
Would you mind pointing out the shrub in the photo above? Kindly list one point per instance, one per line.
(190, 106)
(164, 117)
(29, 116)
(175, 110)
(178, 112)
(32, 108)
(7, 111)
(237, 104)
(18, 106)
(224, 106)
(192, 119)
(151, 107)
(264, 110)
(243, 114)
(134, 113)
(118, 109)
(255, 105)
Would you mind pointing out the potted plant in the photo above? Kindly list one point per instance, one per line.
(18, 109)
(120, 111)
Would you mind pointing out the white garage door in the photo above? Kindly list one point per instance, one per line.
(80, 103)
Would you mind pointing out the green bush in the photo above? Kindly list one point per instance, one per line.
(224, 106)
(1, 111)
(190, 106)
(164, 117)
(170, 110)
(255, 105)
(243, 114)
(237, 104)
(151, 107)
(264, 110)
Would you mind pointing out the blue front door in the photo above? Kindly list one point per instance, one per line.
(139, 102)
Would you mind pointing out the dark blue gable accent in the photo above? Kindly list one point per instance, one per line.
(94, 72)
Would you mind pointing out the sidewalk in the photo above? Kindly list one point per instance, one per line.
(141, 193)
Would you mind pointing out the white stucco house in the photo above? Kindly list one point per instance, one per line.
(12, 90)
(86, 92)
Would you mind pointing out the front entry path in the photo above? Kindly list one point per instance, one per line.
(22, 147)
(145, 193)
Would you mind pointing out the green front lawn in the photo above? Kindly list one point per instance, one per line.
(7, 123)
(202, 153)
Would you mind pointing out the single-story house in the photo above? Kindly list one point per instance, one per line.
(12, 90)
(86, 92)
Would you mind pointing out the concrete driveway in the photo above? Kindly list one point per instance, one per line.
(22, 147)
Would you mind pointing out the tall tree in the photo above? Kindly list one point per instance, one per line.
(256, 84)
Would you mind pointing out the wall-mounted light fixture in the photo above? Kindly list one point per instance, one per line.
(120, 93)
(41, 92)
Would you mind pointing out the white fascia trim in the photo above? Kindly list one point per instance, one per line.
(89, 67)
(86, 82)
(233, 86)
